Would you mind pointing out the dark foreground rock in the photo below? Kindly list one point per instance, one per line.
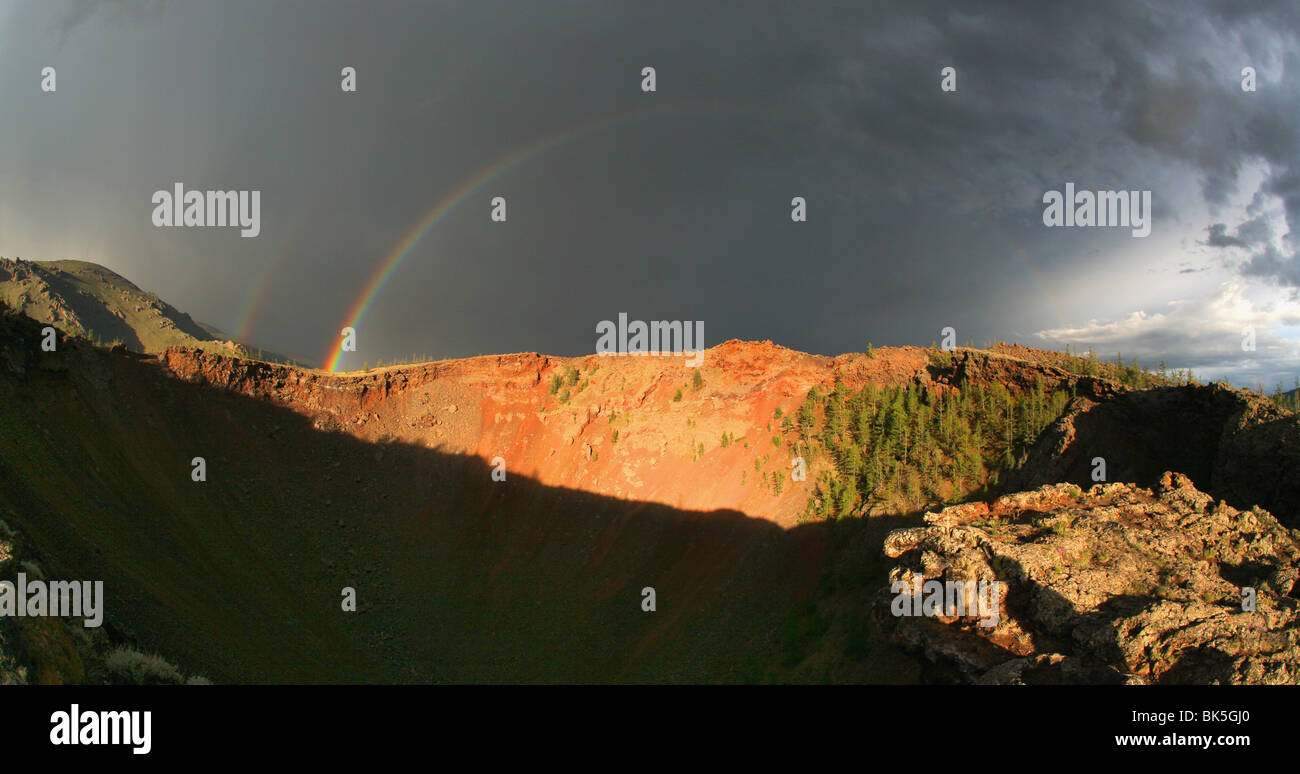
(1237, 445)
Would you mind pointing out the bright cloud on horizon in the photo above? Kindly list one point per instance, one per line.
(1204, 334)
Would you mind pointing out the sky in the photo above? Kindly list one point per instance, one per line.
(924, 206)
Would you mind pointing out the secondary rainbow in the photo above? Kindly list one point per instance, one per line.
(448, 204)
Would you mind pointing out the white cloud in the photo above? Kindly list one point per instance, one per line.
(1204, 334)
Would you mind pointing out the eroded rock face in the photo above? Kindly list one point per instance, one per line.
(1118, 584)
(629, 427)
(1234, 444)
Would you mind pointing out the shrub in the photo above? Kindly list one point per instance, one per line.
(940, 359)
(132, 667)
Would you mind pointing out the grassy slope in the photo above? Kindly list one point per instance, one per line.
(80, 297)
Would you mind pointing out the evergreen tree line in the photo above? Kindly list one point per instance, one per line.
(905, 447)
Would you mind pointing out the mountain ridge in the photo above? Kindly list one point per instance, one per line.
(89, 300)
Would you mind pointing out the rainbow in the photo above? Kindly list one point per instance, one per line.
(449, 203)
(256, 302)
(253, 305)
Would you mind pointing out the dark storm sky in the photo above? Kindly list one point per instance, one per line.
(924, 207)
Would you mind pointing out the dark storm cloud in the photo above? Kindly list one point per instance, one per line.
(1204, 117)
(75, 12)
(924, 207)
(1219, 237)
(1272, 263)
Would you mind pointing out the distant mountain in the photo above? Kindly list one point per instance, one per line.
(85, 299)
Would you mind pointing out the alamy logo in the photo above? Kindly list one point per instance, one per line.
(948, 598)
(78, 599)
(1124, 209)
(242, 209)
(103, 727)
(658, 337)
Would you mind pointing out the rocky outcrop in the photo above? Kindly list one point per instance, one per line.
(1234, 444)
(1119, 584)
(1258, 460)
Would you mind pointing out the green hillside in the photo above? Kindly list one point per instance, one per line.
(87, 300)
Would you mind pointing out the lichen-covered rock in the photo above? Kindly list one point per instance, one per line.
(1118, 584)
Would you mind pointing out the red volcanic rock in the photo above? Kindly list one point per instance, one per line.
(619, 428)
